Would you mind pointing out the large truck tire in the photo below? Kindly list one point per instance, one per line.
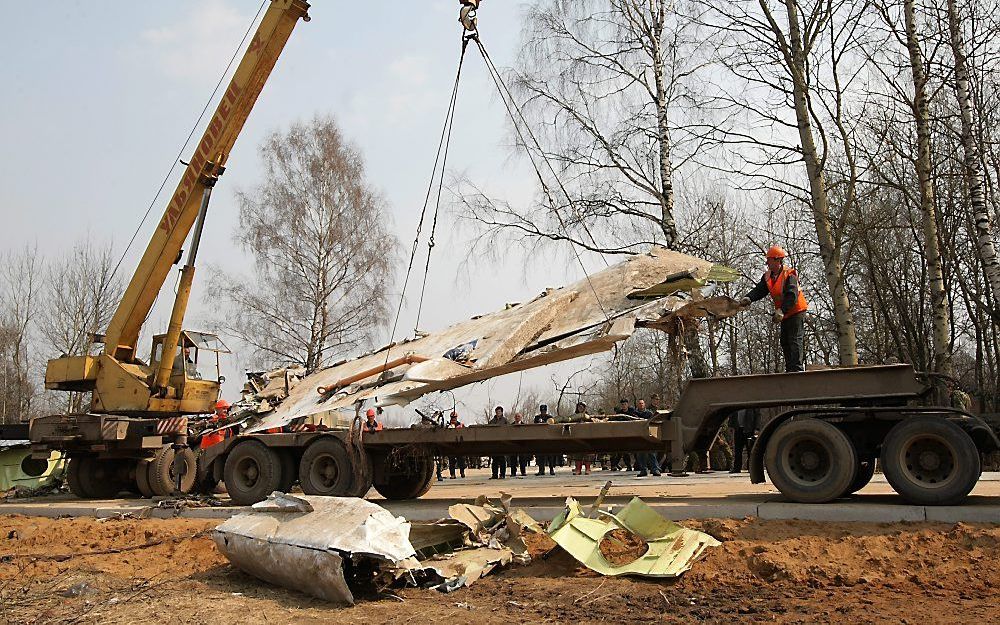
(206, 483)
(864, 474)
(810, 461)
(163, 476)
(930, 461)
(73, 468)
(252, 472)
(142, 477)
(325, 468)
(410, 478)
(99, 479)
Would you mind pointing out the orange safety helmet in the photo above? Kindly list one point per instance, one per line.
(777, 251)
(370, 413)
(223, 405)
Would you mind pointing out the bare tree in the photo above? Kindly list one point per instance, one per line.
(19, 302)
(790, 52)
(323, 251)
(81, 294)
(972, 159)
(608, 87)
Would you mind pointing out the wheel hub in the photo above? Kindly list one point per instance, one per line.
(929, 460)
(808, 461)
(325, 469)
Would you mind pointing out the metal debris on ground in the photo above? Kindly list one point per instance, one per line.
(635, 541)
(329, 547)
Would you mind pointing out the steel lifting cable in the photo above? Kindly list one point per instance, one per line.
(511, 105)
(502, 84)
(442, 151)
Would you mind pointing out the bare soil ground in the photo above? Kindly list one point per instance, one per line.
(130, 571)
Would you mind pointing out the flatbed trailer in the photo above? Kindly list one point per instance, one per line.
(823, 444)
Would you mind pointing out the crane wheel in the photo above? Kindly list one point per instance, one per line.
(325, 468)
(73, 468)
(252, 472)
(810, 461)
(163, 475)
(97, 479)
(363, 476)
(142, 477)
(930, 461)
(407, 478)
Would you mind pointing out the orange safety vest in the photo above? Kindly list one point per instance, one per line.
(777, 287)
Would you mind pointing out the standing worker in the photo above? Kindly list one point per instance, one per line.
(782, 283)
(544, 460)
(498, 463)
(745, 424)
(371, 424)
(455, 461)
(646, 460)
(518, 461)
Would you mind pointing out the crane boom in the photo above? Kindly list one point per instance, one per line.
(172, 384)
(207, 163)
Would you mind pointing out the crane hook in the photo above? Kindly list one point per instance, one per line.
(467, 16)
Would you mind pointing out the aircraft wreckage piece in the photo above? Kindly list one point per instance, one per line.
(635, 541)
(330, 547)
(659, 289)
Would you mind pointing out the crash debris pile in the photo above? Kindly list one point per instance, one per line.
(331, 547)
(324, 545)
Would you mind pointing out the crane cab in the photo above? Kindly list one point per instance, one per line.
(195, 376)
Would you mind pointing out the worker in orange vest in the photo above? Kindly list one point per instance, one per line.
(221, 414)
(371, 424)
(782, 284)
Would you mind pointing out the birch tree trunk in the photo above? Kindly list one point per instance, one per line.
(940, 318)
(973, 174)
(667, 223)
(829, 247)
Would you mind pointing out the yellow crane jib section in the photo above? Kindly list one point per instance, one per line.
(206, 164)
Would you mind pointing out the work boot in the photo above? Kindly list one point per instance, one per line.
(643, 474)
(463, 475)
(552, 471)
(734, 471)
(540, 472)
(657, 474)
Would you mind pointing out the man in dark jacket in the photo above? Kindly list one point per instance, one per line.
(498, 463)
(645, 460)
(745, 424)
(544, 460)
(782, 284)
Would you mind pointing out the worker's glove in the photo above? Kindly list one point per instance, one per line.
(745, 302)
(778, 316)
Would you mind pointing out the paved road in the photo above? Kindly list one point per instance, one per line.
(716, 495)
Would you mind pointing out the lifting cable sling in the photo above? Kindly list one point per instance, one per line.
(441, 158)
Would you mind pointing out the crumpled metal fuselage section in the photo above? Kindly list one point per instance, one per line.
(584, 318)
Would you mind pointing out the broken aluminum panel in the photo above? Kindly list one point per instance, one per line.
(671, 551)
(584, 318)
(304, 543)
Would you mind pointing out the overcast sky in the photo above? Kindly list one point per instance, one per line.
(99, 96)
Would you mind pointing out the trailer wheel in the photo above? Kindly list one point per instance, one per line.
(73, 468)
(142, 477)
(930, 461)
(810, 461)
(100, 479)
(325, 468)
(863, 475)
(163, 476)
(289, 470)
(252, 472)
(408, 478)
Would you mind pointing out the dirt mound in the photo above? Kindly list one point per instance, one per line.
(131, 571)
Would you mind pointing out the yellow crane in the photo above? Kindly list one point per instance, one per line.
(138, 405)
(170, 382)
